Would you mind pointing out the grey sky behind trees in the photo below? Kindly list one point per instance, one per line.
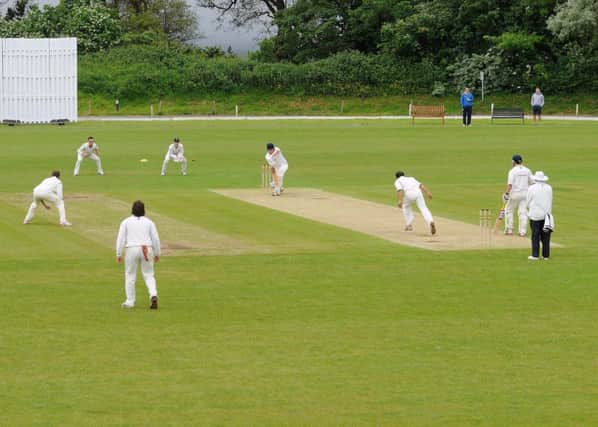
(215, 33)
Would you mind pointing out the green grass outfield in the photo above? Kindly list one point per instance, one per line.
(310, 324)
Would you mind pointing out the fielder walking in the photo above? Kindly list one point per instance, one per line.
(139, 241)
(278, 167)
(49, 190)
(176, 153)
(409, 191)
(539, 202)
(518, 181)
(89, 150)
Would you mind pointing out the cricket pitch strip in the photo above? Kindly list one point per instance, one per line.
(375, 219)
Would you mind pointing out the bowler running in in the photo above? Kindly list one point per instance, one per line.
(278, 166)
(176, 153)
(138, 240)
(89, 150)
(49, 190)
(409, 191)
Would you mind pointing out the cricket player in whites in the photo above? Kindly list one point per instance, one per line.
(176, 153)
(278, 165)
(138, 239)
(50, 190)
(409, 191)
(515, 196)
(89, 150)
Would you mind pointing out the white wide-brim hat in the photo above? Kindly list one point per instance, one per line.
(540, 177)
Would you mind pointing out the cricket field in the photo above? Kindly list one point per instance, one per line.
(269, 318)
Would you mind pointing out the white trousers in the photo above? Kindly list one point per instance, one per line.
(517, 200)
(134, 257)
(168, 158)
(280, 172)
(418, 198)
(46, 197)
(93, 157)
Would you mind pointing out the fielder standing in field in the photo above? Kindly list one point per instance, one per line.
(518, 182)
(138, 239)
(176, 153)
(49, 190)
(409, 191)
(539, 202)
(467, 105)
(537, 103)
(278, 167)
(89, 150)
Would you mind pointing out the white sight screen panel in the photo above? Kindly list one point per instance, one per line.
(38, 79)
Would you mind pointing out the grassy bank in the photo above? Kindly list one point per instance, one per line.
(264, 104)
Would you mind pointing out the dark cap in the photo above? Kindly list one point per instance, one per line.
(270, 146)
(176, 139)
(399, 174)
(517, 158)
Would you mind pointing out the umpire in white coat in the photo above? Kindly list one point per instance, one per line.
(138, 239)
(539, 204)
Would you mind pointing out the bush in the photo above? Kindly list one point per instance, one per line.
(134, 71)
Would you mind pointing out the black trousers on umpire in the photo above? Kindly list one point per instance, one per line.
(467, 115)
(539, 235)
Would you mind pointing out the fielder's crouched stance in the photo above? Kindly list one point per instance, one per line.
(279, 167)
(49, 190)
(140, 238)
(89, 150)
(409, 191)
(176, 153)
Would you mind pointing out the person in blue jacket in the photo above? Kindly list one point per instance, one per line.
(467, 104)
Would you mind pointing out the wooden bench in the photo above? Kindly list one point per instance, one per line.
(427, 111)
(507, 113)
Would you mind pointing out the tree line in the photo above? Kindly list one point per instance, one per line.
(327, 46)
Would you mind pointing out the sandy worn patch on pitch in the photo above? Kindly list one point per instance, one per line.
(97, 217)
(375, 219)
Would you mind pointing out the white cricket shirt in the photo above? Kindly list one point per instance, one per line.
(407, 183)
(176, 150)
(276, 159)
(49, 186)
(137, 231)
(539, 201)
(520, 179)
(85, 148)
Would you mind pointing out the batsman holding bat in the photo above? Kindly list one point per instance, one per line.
(278, 165)
(518, 181)
(89, 150)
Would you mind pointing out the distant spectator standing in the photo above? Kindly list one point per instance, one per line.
(537, 104)
(467, 104)
(539, 204)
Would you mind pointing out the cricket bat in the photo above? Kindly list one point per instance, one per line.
(501, 216)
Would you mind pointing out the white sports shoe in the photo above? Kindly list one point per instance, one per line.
(66, 224)
(521, 234)
(127, 305)
(26, 222)
(101, 173)
(163, 174)
(533, 258)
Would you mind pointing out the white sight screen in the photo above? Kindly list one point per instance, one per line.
(38, 79)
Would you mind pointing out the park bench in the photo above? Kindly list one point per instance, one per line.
(507, 113)
(427, 111)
